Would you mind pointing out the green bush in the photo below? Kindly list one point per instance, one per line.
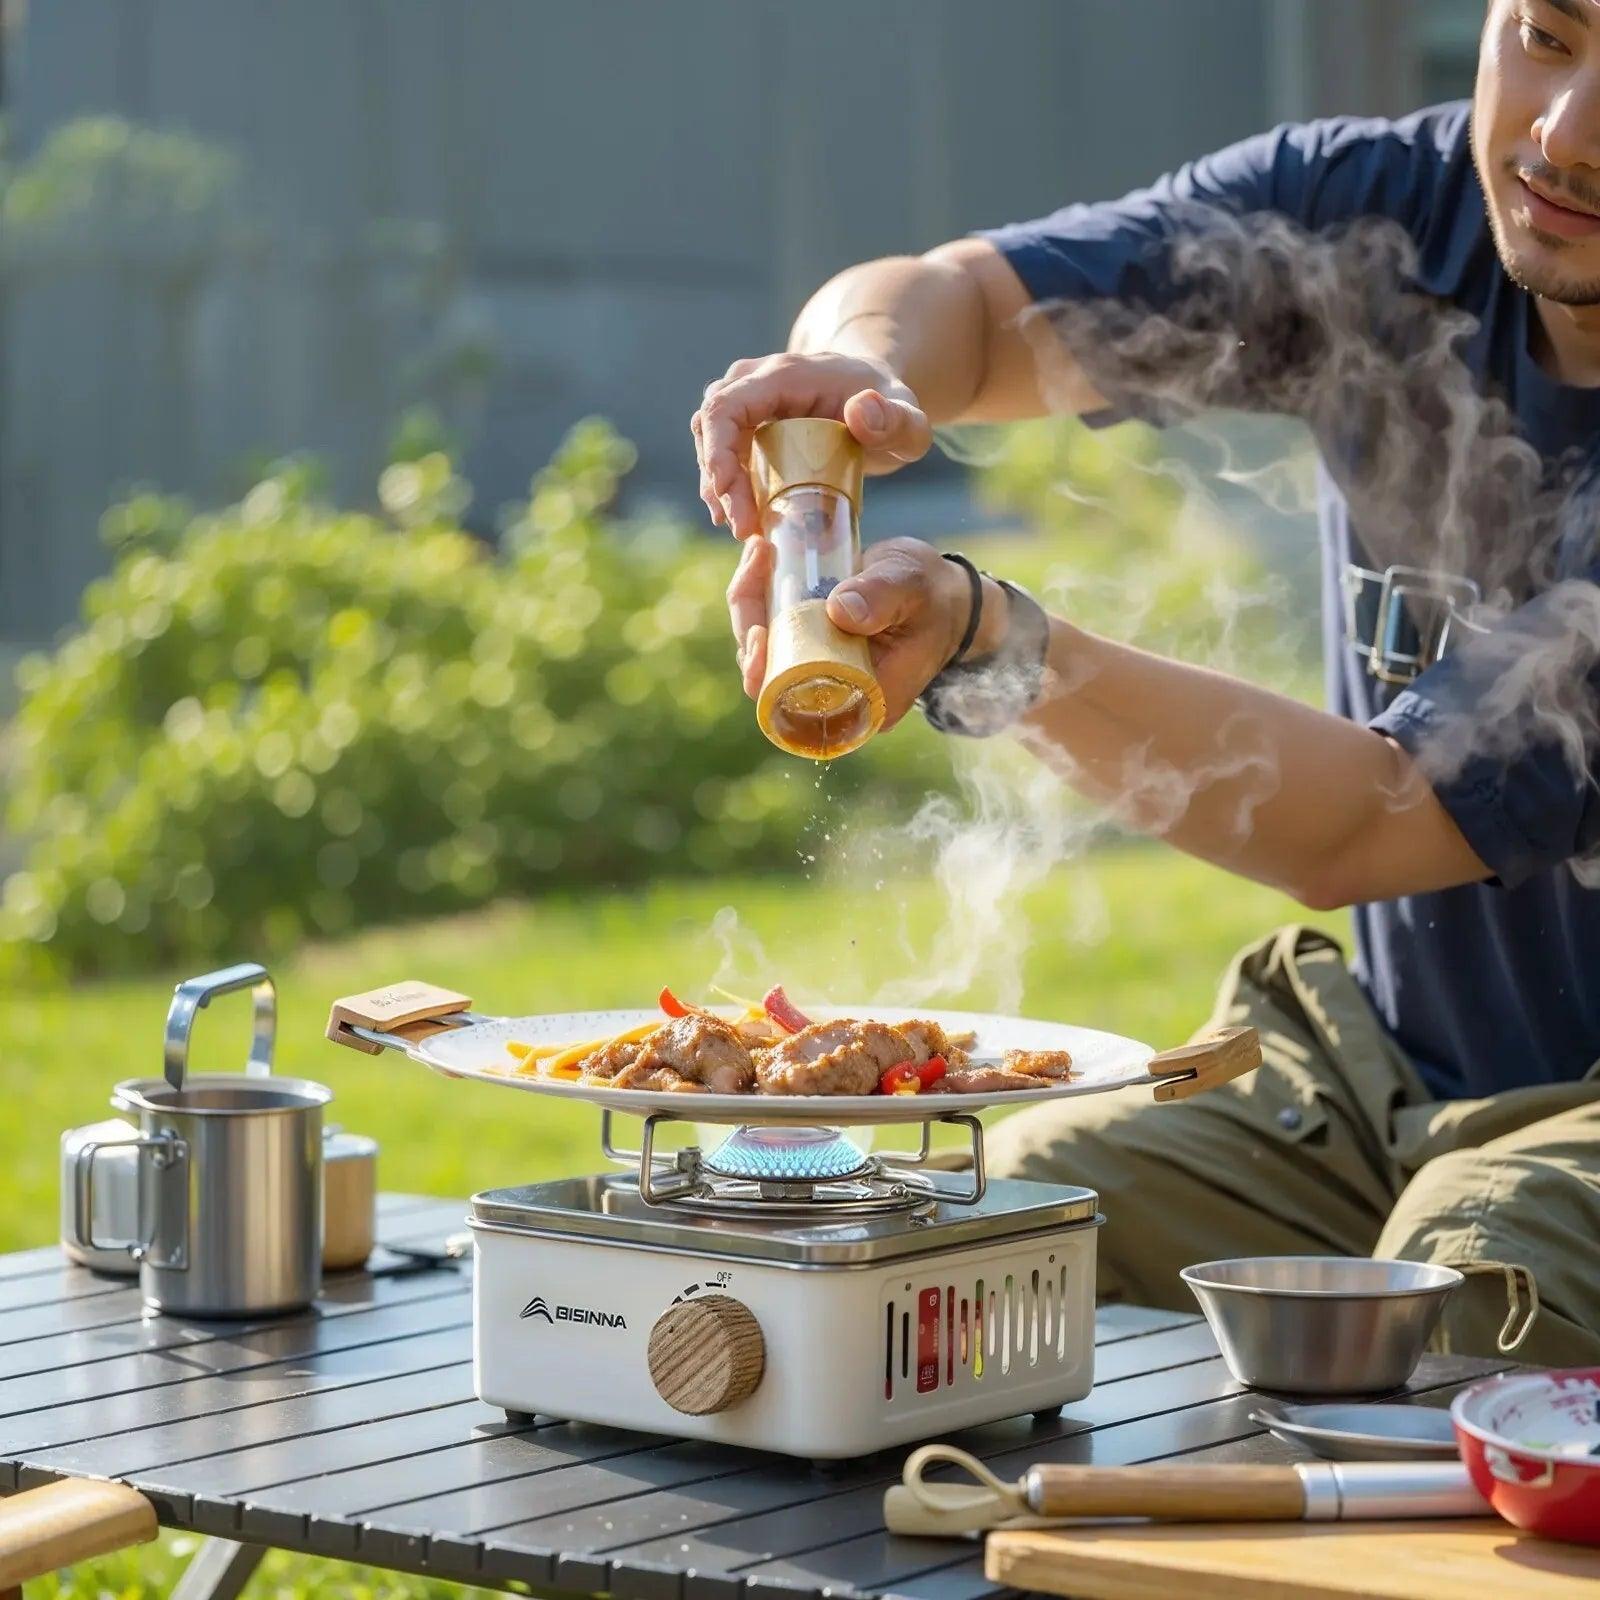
(285, 720)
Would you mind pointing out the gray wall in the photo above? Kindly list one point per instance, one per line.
(605, 202)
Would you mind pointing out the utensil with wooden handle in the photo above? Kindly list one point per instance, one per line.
(1317, 1491)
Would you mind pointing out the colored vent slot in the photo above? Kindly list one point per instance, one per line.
(927, 1341)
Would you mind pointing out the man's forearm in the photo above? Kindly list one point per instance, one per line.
(957, 327)
(1260, 784)
(922, 318)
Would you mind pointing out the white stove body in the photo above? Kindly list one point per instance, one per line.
(858, 1356)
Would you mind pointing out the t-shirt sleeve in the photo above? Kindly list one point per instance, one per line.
(1214, 250)
(1315, 174)
(1504, 729)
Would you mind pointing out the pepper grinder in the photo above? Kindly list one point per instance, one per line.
(820, 697)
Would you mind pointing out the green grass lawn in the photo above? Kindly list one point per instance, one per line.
(1131, 939)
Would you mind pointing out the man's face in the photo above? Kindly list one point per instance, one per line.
(1536, 141)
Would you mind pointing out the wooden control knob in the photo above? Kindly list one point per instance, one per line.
(706, 1354)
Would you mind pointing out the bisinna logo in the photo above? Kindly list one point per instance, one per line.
(540, 1307)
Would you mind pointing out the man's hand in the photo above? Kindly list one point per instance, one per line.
(907, 600)
(862, 393)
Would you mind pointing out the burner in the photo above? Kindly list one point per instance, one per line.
(789, 1172)
(867, 1193)
(787, 1155)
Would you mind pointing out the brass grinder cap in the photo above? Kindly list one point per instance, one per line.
(798, 450)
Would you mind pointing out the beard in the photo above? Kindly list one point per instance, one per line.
(1546, 281)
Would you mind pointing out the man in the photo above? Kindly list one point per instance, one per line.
(1443, 1103)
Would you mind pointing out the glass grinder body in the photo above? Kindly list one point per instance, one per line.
(820, 697)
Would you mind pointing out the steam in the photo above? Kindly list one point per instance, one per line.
(743, 960)
(1010, 827)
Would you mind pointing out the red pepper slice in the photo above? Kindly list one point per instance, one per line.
(907, 1077)
(674, 1007)
(783, 1010)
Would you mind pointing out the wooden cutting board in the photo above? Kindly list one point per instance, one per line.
(1448, 1560)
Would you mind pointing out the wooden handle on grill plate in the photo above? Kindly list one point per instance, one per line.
(65, 1522)
(1168, 1493)
(408, 1010)
(1221, 1056)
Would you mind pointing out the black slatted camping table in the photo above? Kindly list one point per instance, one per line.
(351, 1431)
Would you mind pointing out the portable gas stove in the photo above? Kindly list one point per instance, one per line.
(785, 1290)
(781, 1287)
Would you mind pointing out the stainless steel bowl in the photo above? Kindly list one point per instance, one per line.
(1321, 1324)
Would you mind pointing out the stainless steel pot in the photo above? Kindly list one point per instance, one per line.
(229, 1214)
(116, 1221)
(230, 1193)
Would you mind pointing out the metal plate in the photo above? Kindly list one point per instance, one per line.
(1364, 1432)
(1101, 1061)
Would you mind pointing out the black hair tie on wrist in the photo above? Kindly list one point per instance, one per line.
(975, 609)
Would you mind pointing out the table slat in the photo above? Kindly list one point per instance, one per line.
(144, 1454)
(134, 1333)
(143, 1373)
(382, 1445)
(220, 1393)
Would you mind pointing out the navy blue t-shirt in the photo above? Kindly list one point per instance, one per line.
(1264, 254)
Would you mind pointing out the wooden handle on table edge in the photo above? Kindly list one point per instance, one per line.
(1219, 1057)
(71, 1520)
(1168, 1493)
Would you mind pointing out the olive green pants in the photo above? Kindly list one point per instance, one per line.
(1332, 1146)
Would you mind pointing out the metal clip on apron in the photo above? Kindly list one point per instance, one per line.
(1402, 620)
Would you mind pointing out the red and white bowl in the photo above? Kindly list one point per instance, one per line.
(1531, 1441)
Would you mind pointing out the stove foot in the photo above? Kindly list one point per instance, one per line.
(519, 1419)
(1048, 1414)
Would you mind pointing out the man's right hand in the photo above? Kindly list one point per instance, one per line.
(865, 395)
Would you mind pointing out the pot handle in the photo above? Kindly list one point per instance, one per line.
(397, 1017)
(195, 994)
(166, 1149)
(1218, 1057)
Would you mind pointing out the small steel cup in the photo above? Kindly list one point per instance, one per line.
(230, 1175)
(1321, 1324)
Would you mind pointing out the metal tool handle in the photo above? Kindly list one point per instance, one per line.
(1360, 1491)
(410, 1046)
(195, 994)
(165, 1148)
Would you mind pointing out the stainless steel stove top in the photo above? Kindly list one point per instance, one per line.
(610, 1208)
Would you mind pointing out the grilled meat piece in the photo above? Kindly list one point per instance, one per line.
(983, 1080)
(603, 1065)
(1018, 1069)
(705, 1050)
(649, 1073)
(929, 1039)
(1055, 1064)
(687, 1054)
(838, 1057)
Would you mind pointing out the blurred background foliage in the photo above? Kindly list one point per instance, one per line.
(283, 719)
